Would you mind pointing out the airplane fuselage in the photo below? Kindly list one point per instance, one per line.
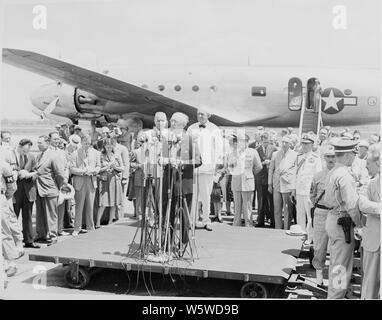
(242, 94)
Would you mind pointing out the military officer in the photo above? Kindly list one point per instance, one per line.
(370, 205)
(307, 165)
(341, 198)
(8, 188)
(317, 191)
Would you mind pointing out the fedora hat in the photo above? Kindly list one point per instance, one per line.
(295, 230)
(66, 192)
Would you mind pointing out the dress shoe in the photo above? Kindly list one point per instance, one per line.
(75, 233)
(208, 228)
(53, 241)
(259, 225)
(45, 241)
(63, 233)
(84, 231)
(32, 245)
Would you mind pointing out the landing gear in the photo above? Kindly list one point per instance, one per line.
(254, 290)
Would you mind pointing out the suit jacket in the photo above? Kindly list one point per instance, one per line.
(262, 177)
(50, 174)
(26, 187)
(282, 171)
(244, 166)
(79, 163)
(190, 156)
(370, 204)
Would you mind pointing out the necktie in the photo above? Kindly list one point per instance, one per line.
(23, 161)
(202, 126)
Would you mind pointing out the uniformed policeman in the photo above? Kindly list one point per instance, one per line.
(317, 192)
(8, 188)
(370, 205)
(307, 165)
(341, 198)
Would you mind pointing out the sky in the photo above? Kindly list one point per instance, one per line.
(97, 34)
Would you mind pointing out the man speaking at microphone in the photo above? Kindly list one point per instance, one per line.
(210, 142)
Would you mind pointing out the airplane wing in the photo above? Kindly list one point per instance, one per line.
(101, 85)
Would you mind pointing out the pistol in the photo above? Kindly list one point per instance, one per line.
(346, 223)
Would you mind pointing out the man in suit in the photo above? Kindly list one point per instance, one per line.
(180, 154)
(370, 204)
(49, 177)
(25, 195)
(281, 177)
(244, 163)
(209, 139)
(85, 165)
(63, 208)
(264, 200)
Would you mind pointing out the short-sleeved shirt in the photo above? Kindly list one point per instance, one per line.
(340, 192)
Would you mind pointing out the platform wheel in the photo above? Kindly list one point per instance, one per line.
(254, 290)
(81, 282)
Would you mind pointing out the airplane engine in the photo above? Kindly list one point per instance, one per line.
(87, 102)
(111, 118)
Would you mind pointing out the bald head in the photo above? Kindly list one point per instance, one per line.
(203, 115)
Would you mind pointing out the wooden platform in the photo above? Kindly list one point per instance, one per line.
(247, 254)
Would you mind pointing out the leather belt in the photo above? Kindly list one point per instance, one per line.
(323, 207)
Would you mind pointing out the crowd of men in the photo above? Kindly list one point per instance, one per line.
(318, 186)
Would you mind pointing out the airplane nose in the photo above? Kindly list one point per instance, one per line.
(44, 95)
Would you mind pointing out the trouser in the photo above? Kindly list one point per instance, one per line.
(184, 217)
(140, 200)
(320, 238)
(84, 205)
(341, 258)
(303, 214)
(205, 184)
(371, 274)
(217, 208)
(243, 202)
(61, 214)
(26, 208)
(11, 234)
(68, 214)
(262, 203)
(46, 217)
(282, 201)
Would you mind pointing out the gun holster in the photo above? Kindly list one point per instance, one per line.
(346, 223)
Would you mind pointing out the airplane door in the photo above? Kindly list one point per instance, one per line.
(313, 97)
(295, 94)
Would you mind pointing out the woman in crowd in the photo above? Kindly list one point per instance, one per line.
(110, 187)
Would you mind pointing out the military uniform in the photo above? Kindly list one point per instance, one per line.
(307, 165)
(341, 198)
(370, 204)
(8, 187)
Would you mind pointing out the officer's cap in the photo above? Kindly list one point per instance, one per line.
(344, 144)
(308, 138)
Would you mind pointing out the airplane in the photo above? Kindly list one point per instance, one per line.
(235, 96)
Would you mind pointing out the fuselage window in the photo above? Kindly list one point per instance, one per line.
(259, 91)
(195, 88)
(161, 87)
(178, 88)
